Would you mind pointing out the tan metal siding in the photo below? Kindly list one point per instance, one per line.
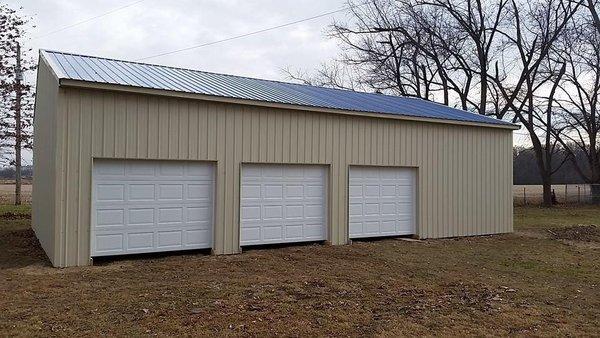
(464, 172)
(44, 148)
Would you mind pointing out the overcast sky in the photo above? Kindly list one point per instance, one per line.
(154, 26)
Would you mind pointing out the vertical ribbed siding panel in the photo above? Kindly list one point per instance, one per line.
(131, 127)
(153, 127)
(173, 128)
(108, 129)
(230, 177)
(96, 126)
(120, 125)
(193, 130)
(464, 173)
(183, 140)
(334, 179)
(72, 171)
(342, 180)
(221, 182)
(240, 114)
(142, 126)
(84, 174)
(163, 128)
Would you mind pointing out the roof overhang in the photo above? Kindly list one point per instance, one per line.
(223, 99)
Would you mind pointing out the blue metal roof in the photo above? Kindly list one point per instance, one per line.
(126, 73)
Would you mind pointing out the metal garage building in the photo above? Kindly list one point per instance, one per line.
(133, 158)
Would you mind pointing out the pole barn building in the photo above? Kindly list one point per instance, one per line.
(136, 158)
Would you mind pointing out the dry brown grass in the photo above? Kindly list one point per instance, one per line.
(490, 285)
(7, 192)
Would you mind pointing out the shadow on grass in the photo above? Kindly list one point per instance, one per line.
(20, 248)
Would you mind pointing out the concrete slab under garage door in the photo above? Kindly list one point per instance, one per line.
(382, 201)
(283, 204)
(141, 206)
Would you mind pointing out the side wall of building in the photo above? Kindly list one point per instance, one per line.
(464, 172)
(44, 164)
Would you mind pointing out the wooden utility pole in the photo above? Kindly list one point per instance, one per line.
(18, 88)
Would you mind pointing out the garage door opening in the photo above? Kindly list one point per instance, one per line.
(144, 206)
(283, 204)
(382, 201)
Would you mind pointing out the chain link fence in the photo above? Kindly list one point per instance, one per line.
(564, 194)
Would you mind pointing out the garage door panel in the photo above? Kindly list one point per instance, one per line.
(168, 239)
(171, 169)
(273, 191)
(141, 216)
(197, 237)
(108, 243)
(140, 240)
(313, 231)
(110, 192)
(170, 215)
(388, 209)
(110, 217)
(170, 192)
(109, 168)
(381, 201)
(294, 212)
(315, 211)
(199, 192)
(164, 207)
(198, 214)
(141, 169)
(250, 234)
(388, 227)
(294, 192)
(141, 192)
(272, 232)
(355, 209)
(282, 203)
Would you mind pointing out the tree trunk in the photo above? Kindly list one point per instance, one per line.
(547, 190)
(18, 135)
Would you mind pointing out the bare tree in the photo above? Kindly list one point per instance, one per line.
(433, 49)
(579, 95)
(526, 72)
(16, 109)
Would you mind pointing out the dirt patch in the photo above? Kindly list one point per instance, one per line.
(477, 286)
(581, 233)
(14, 216)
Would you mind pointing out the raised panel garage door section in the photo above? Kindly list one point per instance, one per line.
(283, 203)
(151, 206)
(382, 201)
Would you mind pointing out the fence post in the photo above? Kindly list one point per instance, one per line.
(524, 197)
(579, 194)
(566, 198)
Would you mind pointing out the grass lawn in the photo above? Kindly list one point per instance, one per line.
(542, 280)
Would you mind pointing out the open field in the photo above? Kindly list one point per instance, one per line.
(565, 193)
(542, 280)
(7, 192)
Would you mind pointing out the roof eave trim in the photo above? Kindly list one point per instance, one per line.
(223, 99)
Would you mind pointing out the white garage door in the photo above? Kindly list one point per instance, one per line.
(150, 206)
(381, 201)
(283, 204)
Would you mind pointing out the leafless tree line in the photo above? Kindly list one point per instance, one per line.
(16, 95)
(536, 63)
